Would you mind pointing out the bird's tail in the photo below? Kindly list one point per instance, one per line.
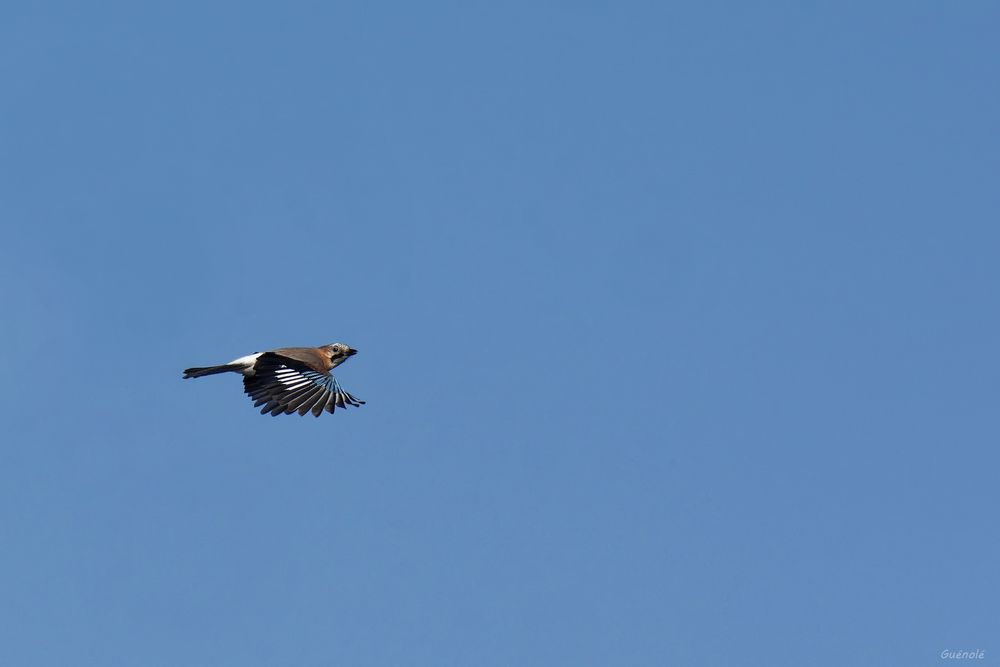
(211, 370)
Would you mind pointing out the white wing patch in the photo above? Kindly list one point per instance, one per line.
(290, 378)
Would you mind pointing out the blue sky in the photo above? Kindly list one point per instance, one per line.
(677, 327)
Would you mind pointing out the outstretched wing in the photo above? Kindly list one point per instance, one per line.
(285, 385)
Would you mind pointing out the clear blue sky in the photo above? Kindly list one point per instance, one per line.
(677, 324)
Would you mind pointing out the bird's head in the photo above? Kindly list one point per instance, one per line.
(339, 353)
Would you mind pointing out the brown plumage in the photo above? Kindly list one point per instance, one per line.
(315, 358)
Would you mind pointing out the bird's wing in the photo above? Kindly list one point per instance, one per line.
(285, 385)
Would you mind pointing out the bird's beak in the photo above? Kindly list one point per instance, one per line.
(351, 352)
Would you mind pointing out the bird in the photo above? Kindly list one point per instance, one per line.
(290, 379)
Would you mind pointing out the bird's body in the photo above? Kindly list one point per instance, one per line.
(290, 379)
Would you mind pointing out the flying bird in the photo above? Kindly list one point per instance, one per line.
(290, 379)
